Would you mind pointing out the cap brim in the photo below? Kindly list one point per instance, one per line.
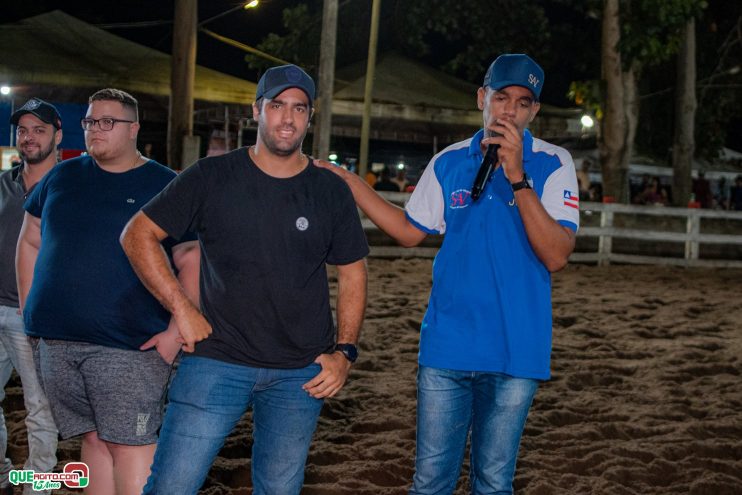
(16, 117)
(505, 84)
(275, 91)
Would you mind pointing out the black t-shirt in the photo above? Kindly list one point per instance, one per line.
(264, 244)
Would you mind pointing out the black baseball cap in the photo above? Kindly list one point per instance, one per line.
(46, 112)
(278, 79)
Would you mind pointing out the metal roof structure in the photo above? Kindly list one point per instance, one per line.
(56, 49)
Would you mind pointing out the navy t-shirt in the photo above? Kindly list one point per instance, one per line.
(264, 244)
(84, 288)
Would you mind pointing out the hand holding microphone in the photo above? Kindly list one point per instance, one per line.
(485, 170)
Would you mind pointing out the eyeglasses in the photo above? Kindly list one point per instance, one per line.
(104, 124)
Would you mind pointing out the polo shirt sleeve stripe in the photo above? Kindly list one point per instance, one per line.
(419, 226)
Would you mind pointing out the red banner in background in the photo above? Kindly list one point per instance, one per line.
(67, 154)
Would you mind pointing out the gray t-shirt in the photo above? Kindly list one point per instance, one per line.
(12, 195)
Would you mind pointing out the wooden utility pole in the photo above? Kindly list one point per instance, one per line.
(323, 123)
(182, 75)
(368, 93)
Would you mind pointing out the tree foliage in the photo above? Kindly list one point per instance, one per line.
(458, 36)
(652, 29)
(463, 36)
(303, 29)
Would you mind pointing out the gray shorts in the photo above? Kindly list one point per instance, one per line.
(116, 392)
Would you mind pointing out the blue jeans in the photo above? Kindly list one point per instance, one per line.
(493, 406)
(16, 352)
(208, 398)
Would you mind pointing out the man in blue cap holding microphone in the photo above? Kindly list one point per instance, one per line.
(508, 205)
(263, 337)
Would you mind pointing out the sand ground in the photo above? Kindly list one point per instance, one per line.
(646, 395)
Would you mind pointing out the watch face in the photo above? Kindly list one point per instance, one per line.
(350, 351)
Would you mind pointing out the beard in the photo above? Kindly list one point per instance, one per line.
(34, 158)
(276, 146)
(104, 151)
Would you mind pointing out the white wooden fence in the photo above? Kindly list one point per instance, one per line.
(692, 238)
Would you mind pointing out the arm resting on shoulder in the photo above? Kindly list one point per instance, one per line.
(26, 252)
(141, 241)
(552, 242)
(388, 217)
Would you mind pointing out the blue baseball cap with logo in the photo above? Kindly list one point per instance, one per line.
(515, 69)
(278, 79)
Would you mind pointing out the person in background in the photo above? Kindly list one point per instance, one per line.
(38, 133)
(583, 179)
(371, 178)
(400, 179)
(702, 190)
(652, 193)
(385, 183)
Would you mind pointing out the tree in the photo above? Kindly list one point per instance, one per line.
(614, 135)
(637, 34)
(685, 116)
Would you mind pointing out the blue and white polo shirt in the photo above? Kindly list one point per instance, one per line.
(490, 306)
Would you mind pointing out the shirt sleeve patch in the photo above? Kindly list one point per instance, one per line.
(571, 199)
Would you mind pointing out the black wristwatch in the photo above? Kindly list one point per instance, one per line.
(349, 351)
(523, 184)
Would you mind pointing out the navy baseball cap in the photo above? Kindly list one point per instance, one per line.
(45, 112)
(278, 79)
(515, 69)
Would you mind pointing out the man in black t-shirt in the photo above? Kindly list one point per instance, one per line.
(268, 222)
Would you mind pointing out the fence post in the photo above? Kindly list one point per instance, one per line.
(605, 242)
(693, 228)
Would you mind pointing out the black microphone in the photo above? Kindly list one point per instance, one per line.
(485, 169)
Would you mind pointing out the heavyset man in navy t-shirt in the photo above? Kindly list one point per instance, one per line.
(485, 341)
(85, 307)
(267, 222)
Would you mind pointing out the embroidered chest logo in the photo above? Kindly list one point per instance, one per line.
(460, 198)
(130, 200)
(302, 224)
